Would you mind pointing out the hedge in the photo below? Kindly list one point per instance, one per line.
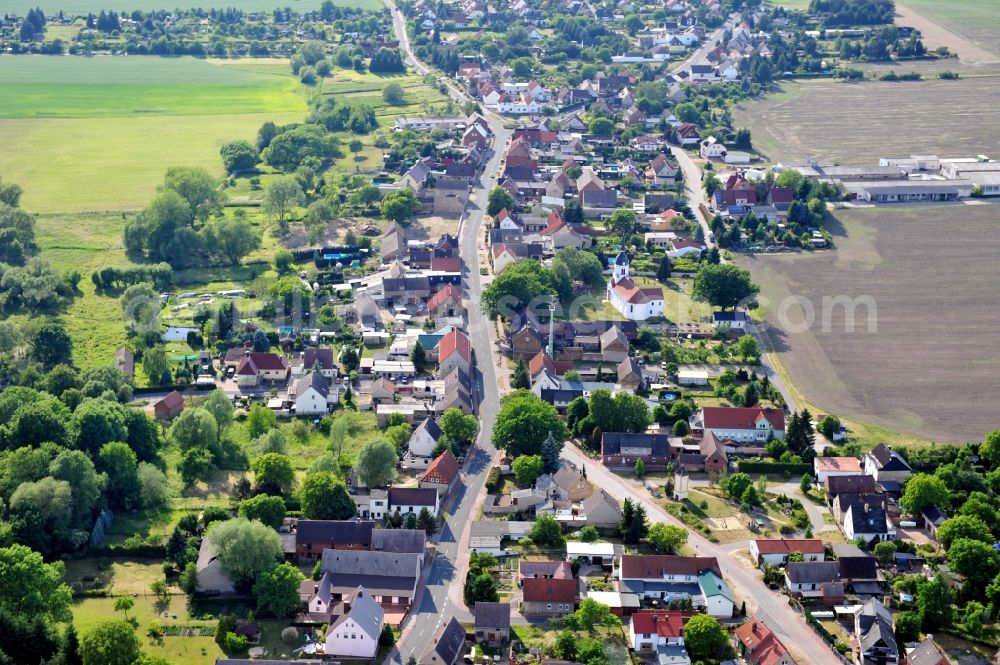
(774, 467)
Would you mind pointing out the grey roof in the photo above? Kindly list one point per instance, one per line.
(366, 613)
(399, 540)
(622, 259)
(812, 572)
(448, 645)
(599, 198)
(875, 623)
(613, 442)
(925, 653)
(430, 426)
(888, 459)
(499, 528)
(872, 520)
(858, 568)
(313, 380)
(382, 564)
(412, 496)
(492, 615)
(934, 515)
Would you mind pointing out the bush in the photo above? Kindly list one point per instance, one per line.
(234, 643)
(290, 635)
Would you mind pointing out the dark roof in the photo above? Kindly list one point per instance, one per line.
(812, 572)
(412, 496)
(887, 459)
(382, 565)
(599, 198)
(872, 520)
(448, 644)
(171, 400)
(612, 443)
(934, 515)
(324, 357)
(553, 395)
(335, 532)
(856, 484)
(858, 568)
(314, 380)
(662, 201)
(398, 540)
(492, 615)
(430, 426)
(657, 566)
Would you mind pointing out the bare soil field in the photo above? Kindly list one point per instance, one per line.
(856, 123)
(929, 368)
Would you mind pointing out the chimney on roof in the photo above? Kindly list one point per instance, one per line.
(656, 617)
(315, 588)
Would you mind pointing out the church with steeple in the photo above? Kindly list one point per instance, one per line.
(635, 303)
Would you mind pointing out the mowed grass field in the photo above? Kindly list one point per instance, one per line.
(82, 7)
(856, 123)
(930, 368)
(86, 134)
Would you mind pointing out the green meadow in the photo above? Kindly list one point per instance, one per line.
(97, 134)
(82, 7)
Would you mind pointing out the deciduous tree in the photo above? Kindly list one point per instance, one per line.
(277, 590)
(245, 548)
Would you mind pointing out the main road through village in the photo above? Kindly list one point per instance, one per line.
(441, 598)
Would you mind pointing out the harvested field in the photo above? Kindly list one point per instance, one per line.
(934, 34)
(856, 123)
(930, 367)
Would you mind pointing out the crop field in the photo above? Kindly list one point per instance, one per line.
(856, 123)
(82, 7)
(84, 134)
(929, 368)
(976, 20)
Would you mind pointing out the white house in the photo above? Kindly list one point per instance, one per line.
(735, 320)
(867, 520)
(684, 247)
(635, 303)
(413, 500)
(356, 631)
(718, 599)
(712, 148)
(649, 630)
(311, 395)
(751, 424)
(424, 439)
(775, 551)
(692, 377)
(884, 464)
(808, 578)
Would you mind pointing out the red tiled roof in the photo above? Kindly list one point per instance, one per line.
(450, 291)
(656, 566)
(789, 545)
(455, 341)
(627, 289)
(447, 263)
(444, 469)
(560, 570)
(763, 647)
(782, 195)
(660, 623)
(722, 417)
(549, 590)
(171, 400)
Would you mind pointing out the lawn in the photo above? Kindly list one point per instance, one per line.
(99, 132)
(82, 7)
(847, 123)
(928, 368)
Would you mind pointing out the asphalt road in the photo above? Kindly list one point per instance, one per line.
(770, 607)
(441, 598)
(695, 194)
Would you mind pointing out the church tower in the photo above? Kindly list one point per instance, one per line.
(621, 267)
(680, 483)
